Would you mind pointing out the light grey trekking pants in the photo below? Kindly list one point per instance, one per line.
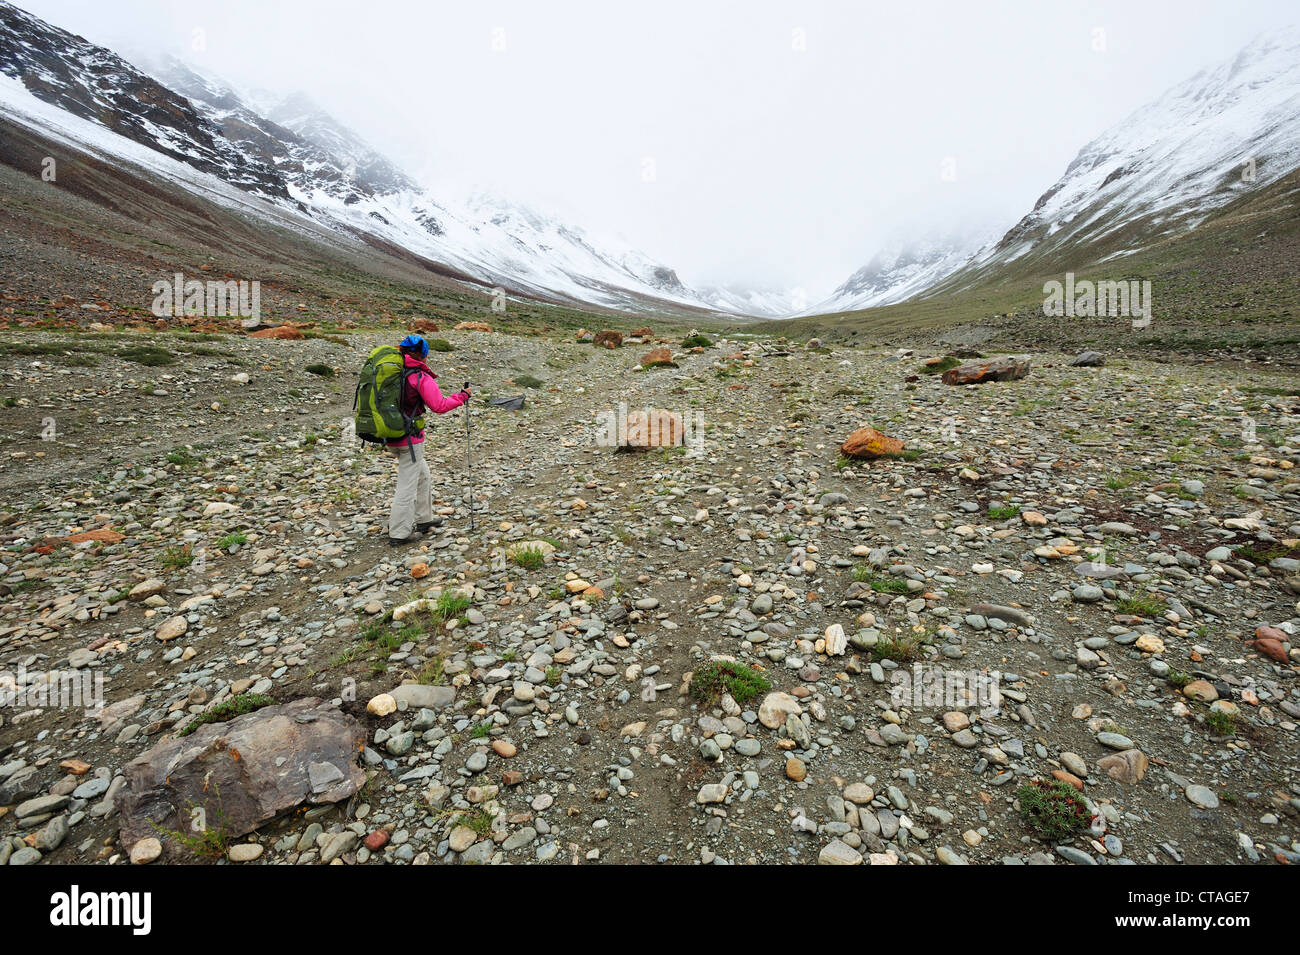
(413, 498)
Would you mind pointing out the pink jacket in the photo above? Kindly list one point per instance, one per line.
(430, 394)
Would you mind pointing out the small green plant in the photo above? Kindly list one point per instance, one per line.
(741, 681)
(228, 710)
(174, 558)
(481, 731)
(1178, 679)
(1140, 606)
(899, 647)
(1221, 723)
(942, 365)
(440, 344)
(181, 457)
(237, 539)
(697, 341)
(528, 381)
(480, 820)
(325, 371)
(552, 676)
(1052, 809)
(432, 673)
(347, 655)
(450, 605)
(881, 585)
(1000, 512)
(529, 558)
(1264, 554)
(150, 355)
(210, 842)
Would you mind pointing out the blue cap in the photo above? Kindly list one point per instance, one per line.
(416, 343)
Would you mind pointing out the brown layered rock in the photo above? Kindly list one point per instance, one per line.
(993, 369)
(244, 772)
(645, 332)
(423, 325)
(868, 443)
(608, 339)
(473, 327)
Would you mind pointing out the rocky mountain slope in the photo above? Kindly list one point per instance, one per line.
(1213, 139)
(299, 158)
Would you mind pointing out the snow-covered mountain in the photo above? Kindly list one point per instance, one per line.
(292, 154)
(905, 268)
(1159, 172)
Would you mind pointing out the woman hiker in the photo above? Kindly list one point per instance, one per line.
(412, 512)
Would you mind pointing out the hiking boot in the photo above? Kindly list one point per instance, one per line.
(409, 539)
(426, 526)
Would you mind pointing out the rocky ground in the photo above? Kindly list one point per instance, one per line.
(1106, 545)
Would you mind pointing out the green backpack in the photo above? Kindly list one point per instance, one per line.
(379, 398)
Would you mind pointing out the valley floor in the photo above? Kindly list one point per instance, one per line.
(565, 729)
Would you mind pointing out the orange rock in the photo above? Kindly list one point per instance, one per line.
(657, 356)
(420, 570)
(994, 369)
(283, 332)
(473, 327)
(656, 428)
(105, 534)
(869, 443)
(1068, 777)
(423, 325)
(608, 339)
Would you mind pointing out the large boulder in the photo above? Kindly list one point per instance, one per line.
(1007, 368)
(608, 339)
(243, 773)
(869, 443)
(1088, 359)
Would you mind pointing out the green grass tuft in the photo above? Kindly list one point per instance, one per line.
(1052, 809)
(228, 710)
(742, 682)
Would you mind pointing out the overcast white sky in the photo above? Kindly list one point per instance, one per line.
(773, 165)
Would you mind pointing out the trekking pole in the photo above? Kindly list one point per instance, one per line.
(469, 464)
